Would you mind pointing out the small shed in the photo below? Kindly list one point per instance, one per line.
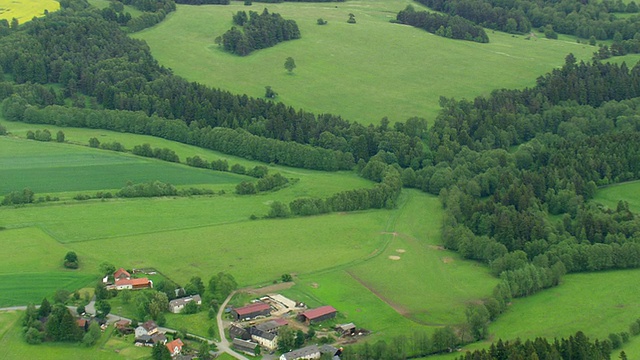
(247, 347)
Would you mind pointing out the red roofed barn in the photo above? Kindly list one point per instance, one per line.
(319, 314)
(121, 274)
(251, 311)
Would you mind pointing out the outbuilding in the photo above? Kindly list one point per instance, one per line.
(251, 311)
(317, 315)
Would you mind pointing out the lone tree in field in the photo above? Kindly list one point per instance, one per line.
(269, 93)
(290, 64)
(352, 19)
(71, 260)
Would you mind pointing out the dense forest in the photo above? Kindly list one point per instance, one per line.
(580, 18)
(453, 27)
(260, 31)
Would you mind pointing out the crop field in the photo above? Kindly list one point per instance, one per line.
(25, 10)
(629, 192)
(53, 167)
(361, 71)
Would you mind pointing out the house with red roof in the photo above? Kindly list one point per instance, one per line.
(133, 284)
(317, 315)
(251, 311)
(121, 274)
(175, 347)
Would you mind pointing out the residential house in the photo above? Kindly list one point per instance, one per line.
(175, 347)
(83, 324)
(147, 328)
(264, 338)
(317, 315)
(121, 274)
(150, 340)
(307, 353)
(177, 305)
(131, 284)
(272, 326)
(247, 347)
(237, 332)
(124, 326)
(251, 311)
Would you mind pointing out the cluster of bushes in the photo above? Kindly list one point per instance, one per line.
(266, 183)
(453, 27)
(153, 12)
(26, 196)
(56, 323)
(163, 154)
(260, 31)
(150, 189)
(44, 135)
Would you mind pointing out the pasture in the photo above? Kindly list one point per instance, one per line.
(363, 71)
(25, 10)
(629, 192)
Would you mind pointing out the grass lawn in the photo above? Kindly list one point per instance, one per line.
(362, 71)
(25, 10)
(629, 192)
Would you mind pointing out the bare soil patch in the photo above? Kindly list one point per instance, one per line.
(434, 247)
(401, 251)
(447, 260)
(394, 257)
(270, 289)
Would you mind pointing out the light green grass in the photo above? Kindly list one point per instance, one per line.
(611, 195)
(198, 324)
(362, 71)
(25, 10)
(32, 268)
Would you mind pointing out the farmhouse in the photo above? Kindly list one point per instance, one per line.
(150, 340)
(264, 338)
(121, 274)
(306, 353)
(175, 347)
(132, 284)
(177, 305)
(251, 311)
(247, 347)
(272, 326)
(317, 315)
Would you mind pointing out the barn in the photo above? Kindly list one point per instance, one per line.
(317, 315)
(251, 311)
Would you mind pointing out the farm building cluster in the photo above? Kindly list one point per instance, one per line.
(122, 280)
(149, 334)
(256, 326)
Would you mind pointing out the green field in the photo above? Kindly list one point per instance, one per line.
(629, 192)
(25, 10)
(362, 71)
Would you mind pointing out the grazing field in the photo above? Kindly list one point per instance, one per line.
(361, 71)
(25, 10)
(34, 268)
(629, 192)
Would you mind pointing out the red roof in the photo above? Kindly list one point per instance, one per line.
(81, 322)
(249, 309)
(321, 311)
(133, 282)
(281, 322)
(177, 343)
(121, 272)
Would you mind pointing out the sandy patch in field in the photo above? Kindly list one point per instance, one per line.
(394, 257)
(314, 285)
(447, 260)
(434, 247)
(401, 251)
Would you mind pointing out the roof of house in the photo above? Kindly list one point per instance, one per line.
(271, 325)
(244, 344)
(328, 349)
(123, 323)
(262, 334)
(305, 351)
(132, 282)
(81, 322)
(237, 332)
(158, 337)
(252, 308)
(120, 272)
(177, 343)
(183, 301)
(149, 325)
(318, 312)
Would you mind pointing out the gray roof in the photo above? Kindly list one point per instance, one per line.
(244, 345)
(328, 349)
(305, 351)
(183, 301)
(269, 326)
(263, 334)
(238, 332)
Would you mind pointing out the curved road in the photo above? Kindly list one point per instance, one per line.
(223, 345)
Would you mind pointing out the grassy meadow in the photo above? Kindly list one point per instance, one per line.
(629, 192)
(361, 71)
(25, 10)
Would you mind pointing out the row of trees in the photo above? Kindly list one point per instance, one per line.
(260, 31)
(453, 27)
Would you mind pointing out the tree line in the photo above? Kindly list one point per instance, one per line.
(453, 27)
(567, 17)
(260, 31)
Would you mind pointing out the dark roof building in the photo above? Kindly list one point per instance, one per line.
(309, 352)
(247, 347)
(272, 325)
(319, 314)
(251, 311)
(236, 332)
